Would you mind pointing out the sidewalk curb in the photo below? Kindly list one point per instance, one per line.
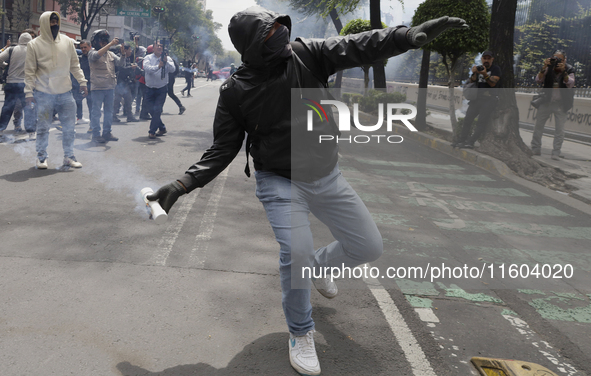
(492, 165)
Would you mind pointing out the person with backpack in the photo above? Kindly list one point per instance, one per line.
(14, 89)
(171, 79)
(256, 100)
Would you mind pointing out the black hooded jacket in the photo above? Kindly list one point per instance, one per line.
(263, 96)
(567, 95)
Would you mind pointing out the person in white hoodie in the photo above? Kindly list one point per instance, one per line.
(50, 59)
(14, 90)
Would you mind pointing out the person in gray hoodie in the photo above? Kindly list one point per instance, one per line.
(14, 90)
(50, 59)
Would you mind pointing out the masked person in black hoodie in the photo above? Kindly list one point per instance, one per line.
(294, 179)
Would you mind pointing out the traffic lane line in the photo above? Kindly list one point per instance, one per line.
(412, 350)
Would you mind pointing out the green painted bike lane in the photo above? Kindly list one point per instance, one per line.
(435, 211)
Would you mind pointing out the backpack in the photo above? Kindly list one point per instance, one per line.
(4, 76)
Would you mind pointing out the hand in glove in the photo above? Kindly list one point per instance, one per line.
(424, 33)
(167, 195)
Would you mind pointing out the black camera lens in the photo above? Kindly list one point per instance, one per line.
(480, 67)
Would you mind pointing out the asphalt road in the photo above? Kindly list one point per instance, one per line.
(90, 286)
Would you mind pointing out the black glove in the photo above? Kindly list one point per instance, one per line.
(424, 33)
(167, 195)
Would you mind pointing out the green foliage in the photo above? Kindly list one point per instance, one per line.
(369, 102)
(452, 44)
(358, 26)
(85, 11)
(227, 58)
(183, 22)
(309, 7)
(350, 98)
(536, 42)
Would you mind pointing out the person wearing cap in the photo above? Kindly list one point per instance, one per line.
(488, 76)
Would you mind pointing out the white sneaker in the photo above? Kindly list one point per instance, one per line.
(41, 165)
(326, 287)
(83, 121)
(32, 136)
(72, 162)
(302, 354)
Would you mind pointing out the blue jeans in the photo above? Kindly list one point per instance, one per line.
(14, 93)
(98, 98)
(332, 200)
(154, 102)
(65, 106)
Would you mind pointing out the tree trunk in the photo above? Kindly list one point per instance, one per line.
(339, 26)
(452, 102)
(502, 139)
(421, 120)
(379, 73)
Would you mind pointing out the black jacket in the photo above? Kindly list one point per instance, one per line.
(567, 95)
(263, 95)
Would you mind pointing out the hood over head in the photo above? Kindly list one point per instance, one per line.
(44, 26)
(24, 38)
(248, 30)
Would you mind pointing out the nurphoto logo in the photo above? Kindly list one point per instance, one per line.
(402, 112)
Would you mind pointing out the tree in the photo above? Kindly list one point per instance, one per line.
(421, 119)
(347, 6)
(85, 11)
(194, 34)
(359, 26)
(502, 140)
(454, 44)
(318, 7)
(379, 74)
(536, 42)
(227, 58)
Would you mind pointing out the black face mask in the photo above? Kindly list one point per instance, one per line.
(277, 48)
(54, 30)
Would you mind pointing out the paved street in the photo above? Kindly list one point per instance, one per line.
(90, 286)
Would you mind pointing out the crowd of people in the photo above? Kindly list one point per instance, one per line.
(48, 76)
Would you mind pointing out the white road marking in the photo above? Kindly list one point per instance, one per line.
(172, 232)
(426, 315)
(543, 347)
(201, 244)
(412, 350)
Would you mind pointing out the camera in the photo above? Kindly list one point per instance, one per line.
(554, 61)
(165, 42)
(480, 68)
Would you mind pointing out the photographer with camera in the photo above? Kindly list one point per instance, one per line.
(102, 63)
(157, 67)
(488, 76)
(558, 79)
(125, 84)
